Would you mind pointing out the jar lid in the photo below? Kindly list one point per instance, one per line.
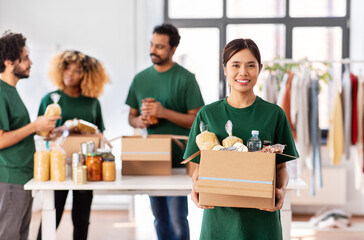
(93, 154)
(266, 142)
(104, 150)
(108, 159)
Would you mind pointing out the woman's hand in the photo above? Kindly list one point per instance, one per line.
(194, 193)
(280, 193)
(282, 181)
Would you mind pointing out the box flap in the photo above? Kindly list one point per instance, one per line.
(281, 157)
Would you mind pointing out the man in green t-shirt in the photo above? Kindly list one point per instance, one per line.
(16, 139)
(176, 99)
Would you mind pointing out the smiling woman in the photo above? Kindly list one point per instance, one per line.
(247, 112)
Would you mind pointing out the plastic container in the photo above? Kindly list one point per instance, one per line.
(41, 161)
(94, 167)
(58, 161)
(254, 143)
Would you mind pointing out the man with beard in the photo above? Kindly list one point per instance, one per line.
(16, 139)
(165, 99)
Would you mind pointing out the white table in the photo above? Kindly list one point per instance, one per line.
(177, 184)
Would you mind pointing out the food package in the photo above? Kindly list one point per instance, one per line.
(232, 141)
(79, 125)
(58, 161)
(41, 161)
(276, 148)
(52, 110)
(206, 140)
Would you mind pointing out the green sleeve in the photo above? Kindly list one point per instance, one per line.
(191, 143)
(283, 135)
(99, 119)
(4, 116)
(131, 99)
(193, 95)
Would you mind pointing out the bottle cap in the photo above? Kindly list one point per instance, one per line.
(255, 132)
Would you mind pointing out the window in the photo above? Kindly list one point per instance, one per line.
(280, 28)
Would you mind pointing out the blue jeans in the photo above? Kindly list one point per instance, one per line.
(170, 215)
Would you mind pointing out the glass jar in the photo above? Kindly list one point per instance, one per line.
(108, 164)
(108, 170)
(94, 167)
(152, 120)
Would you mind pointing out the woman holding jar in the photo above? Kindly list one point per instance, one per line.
(80, 80)
(242, 65)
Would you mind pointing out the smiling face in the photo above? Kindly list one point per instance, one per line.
(242, 72)
(160, 50)
(72, 75)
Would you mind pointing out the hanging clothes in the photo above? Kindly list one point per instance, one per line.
(295, 91)
(359, 161)
(302, 124)
(269, 87)
(316, 177)
(286, 102)
(282, 89)
(335, 139)
(354, 109)
(346, 95)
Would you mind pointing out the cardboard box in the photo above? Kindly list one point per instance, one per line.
(237, 179)
(72, 143)
(190, 168)
(149, 156)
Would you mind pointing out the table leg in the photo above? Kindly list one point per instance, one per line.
(48, 216)
(286, 216)
(131, 209)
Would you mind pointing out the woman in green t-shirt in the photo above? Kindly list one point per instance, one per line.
(242, 65)
(80, 79)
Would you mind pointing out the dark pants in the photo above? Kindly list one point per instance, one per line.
(81, 207)
(15, 211)
(170, 215)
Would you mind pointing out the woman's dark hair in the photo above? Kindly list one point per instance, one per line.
(237, 45)
(11, 47)
(171, 31)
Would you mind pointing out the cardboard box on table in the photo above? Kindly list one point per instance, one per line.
(238, 179)
(72, 143)
(148, 156)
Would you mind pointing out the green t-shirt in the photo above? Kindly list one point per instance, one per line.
(16, 162)
(272, 124)
(176, 89)
(81, 107)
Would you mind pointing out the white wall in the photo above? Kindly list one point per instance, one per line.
(116, 32)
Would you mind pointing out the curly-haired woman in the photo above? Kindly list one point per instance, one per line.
(80, 79)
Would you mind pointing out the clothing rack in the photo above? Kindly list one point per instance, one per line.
(291, 61)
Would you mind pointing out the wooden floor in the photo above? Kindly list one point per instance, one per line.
(115, 224)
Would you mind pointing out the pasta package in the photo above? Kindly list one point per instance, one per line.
(52, 110)
(232, 141)
(41, 162)
(80, 125)
(206, 140)
(58, 162)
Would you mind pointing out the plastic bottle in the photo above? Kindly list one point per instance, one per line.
(254, 143)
